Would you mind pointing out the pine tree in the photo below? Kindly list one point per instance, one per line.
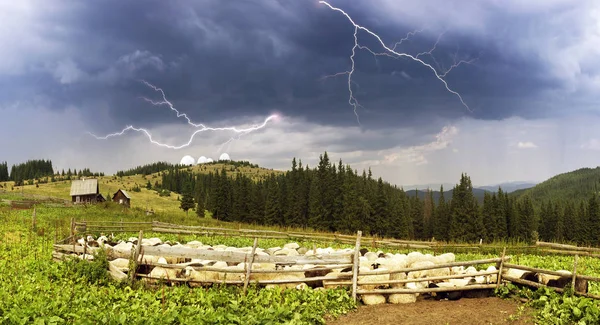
(501, 222)
(593, 219)
(441, 224)
(379, 223)
(187, 200)
(273, 213)
(526, 219)
(428, 214)
(487, 212)
(466, 223)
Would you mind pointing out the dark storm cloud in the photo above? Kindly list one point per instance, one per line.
(221, 59)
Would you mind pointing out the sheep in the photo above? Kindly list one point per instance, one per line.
(423, 273)
(492, 278)
(371, 256)
(372, 278)
(287, 276)
(293, 246)
(161, 272)
(193, 244)
(121, 264)
(373, 299)
(402, 298)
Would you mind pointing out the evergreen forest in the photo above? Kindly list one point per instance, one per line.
(333, 197)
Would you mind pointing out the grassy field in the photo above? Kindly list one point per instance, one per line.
(145, 199)
(35, 288)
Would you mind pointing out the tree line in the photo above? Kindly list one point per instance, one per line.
(333, 197)
(30, 169)
(4, 175)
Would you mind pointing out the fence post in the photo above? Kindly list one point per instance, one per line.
(500, 268)
(134, 264)
(33, 221)
(73, 230)
(355, 265)
(574, 273)
(249, 265)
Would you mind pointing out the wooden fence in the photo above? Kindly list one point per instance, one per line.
(325, 261)
(349, 259)
(95, 227)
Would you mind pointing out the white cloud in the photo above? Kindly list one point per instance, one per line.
(526, 145)
(592, 144)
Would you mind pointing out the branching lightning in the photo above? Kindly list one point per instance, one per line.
(200, 127)
(392, 53)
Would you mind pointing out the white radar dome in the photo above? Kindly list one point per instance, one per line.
(202, 160)
(187, 160)
(224, 156)
(209, 160)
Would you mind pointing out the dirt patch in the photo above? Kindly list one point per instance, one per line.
(486, 311)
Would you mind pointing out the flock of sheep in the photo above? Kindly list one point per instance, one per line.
(371, 265)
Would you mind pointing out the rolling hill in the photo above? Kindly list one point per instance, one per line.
(508, 187)
(145, 198)
(574, 185)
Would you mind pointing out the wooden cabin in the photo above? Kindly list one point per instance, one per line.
(86, 191)
(122, 197)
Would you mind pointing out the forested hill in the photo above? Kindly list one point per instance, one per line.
(572, 186)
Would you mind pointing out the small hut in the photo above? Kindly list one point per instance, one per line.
(122, 197)
(85, 191)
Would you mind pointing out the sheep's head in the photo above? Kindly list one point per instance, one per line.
(188, 271)
(375, 266)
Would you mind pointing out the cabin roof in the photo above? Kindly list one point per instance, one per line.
(124, 193)
(84, 186)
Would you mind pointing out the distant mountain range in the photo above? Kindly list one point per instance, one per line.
(506, 187)
(478, 191)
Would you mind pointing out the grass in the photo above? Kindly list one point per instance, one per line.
(145, 199)
(34, 287)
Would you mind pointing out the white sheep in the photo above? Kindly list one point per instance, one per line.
(121, 264)
(402, 298)
(163, 273)
(373, 299)
(372, 278)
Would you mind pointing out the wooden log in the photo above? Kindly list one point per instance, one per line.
(427, 290)
(532, 269)
(392, 244)
(72, 233)
(136, 255)
(436, 278)
(500, 268)
(562, 252)
(356, 265)
(226, 256)
(438, 266)
(249, 266)
(574, 274)
(567, 247)
(282, 281)
(208, 233)
(96, 223)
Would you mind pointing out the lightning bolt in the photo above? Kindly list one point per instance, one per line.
(200, 127)
(390, 52)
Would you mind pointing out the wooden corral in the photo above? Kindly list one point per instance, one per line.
(345, 264)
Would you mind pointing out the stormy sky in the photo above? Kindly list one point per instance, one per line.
(529, 77)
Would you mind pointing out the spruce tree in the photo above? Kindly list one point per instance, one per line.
(441, 223)
(187, 200)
